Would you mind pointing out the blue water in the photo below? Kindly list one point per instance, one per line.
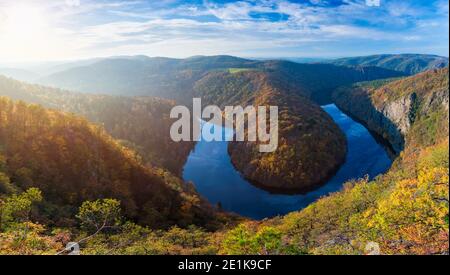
(209, 167)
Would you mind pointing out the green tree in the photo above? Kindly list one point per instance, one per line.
(6, 186)
(100, 214)
(16, 209)
(239, 241)
(268, 240)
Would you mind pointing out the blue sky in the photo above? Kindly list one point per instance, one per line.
(72, 29)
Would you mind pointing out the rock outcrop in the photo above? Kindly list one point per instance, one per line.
(391, 109)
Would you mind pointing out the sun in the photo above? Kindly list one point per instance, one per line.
(23, 22)
(29, 32)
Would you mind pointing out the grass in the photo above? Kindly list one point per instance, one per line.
(238, 70)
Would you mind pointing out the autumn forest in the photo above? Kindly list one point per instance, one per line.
(88, 164)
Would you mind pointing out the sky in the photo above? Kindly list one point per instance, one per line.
(50, 30)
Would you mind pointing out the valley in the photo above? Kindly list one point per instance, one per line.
(221, 135)
(108, 145)
(311, 147)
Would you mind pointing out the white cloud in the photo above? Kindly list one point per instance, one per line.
(183, 30)
(73, 3)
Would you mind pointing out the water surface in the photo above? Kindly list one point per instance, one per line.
(209, 167)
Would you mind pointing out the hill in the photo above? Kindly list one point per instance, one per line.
(310, 146)
(140, 75)
(142, 124)
(318, 81)
(71, 161)
(19, 74)
(174, 78)
(406, 63)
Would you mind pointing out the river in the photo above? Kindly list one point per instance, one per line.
(215, 178)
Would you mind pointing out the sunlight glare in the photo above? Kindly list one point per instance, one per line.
(23, 23)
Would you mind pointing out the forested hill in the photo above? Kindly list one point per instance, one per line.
(174, 78)
(140, 123)
(318, 81)
(141, 75)
(71, 161)
(311, 146)
(406, 63)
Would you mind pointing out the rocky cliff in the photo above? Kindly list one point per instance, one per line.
(389, 108)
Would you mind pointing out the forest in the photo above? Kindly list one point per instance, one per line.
(99, 169)
(333, 117)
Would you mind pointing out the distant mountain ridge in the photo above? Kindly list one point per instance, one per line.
(172, 78)
(408, 63)
(139, 75)
(19, 74)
